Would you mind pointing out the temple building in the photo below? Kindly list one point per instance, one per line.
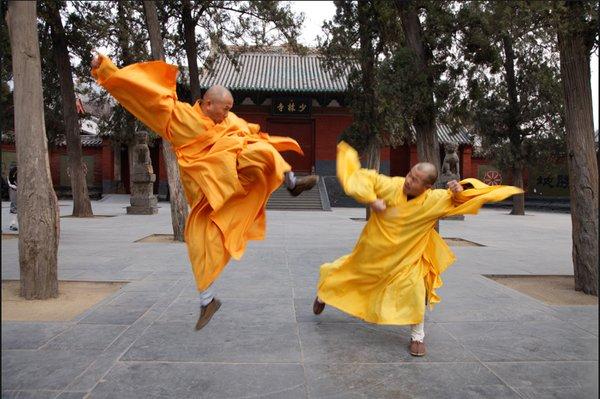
(286, 94)
(294, 95)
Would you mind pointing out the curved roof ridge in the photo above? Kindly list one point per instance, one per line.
(274, 72)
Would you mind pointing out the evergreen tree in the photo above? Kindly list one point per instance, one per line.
(512, 78)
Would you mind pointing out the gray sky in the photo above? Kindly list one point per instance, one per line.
(317, 11)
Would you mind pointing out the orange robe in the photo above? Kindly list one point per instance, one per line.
(399, 257)
(228, 170)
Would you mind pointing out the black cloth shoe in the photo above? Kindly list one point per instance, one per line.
(318, 306)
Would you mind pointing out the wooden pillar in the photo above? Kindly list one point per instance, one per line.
(467, 168)
(414, 157)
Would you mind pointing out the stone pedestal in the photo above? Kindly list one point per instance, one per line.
(143, 201)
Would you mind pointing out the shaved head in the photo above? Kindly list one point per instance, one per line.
(217, 93)
(216, 103)
(430, 170)
(420, 178)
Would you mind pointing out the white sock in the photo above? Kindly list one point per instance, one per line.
(206, 296)
(290, 180)
(417, 332)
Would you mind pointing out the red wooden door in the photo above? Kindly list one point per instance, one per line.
(303, 132)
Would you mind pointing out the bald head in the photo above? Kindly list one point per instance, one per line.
(217, 93)
(216, 103)
(420, 178)
(429, 170)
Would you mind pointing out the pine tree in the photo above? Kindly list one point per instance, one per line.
(513, 84)
(50, 11)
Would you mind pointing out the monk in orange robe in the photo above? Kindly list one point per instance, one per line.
(228, 167)
(394, 270)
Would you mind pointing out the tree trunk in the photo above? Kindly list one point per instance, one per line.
(123, 34)
(126, 59)
(373, 162)
(37, 205)
(518, 200)
(581, 159)
(513, 124)
(428, 149)
(82, 206)
(179, 207)
(373, 156)
(367, 69)
(156, 43)
(189, 43)
(367, 112)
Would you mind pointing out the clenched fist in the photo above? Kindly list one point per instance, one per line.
(378, 205)
(455, 186)
(96, 60)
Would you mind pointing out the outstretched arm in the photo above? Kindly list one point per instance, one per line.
(147, 90)
(469, 195)
(364, 185)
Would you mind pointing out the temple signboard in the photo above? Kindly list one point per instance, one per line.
(291, 106)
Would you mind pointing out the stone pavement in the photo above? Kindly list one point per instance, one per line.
(484, 340)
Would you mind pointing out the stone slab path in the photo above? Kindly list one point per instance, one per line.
(484, 340)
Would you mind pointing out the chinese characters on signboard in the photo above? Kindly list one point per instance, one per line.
(550, 182)
(299, 106)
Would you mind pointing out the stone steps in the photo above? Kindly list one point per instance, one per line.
(308, 200)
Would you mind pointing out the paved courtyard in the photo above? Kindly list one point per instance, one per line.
(484, 340)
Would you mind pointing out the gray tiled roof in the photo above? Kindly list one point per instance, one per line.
(274, 72)
(446, 135)
(90, 141)
(86, 141)
(277, 71)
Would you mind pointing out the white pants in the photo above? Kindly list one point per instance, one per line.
(417, 331)
(206, 296)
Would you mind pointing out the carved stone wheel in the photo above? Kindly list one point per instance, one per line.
(492, 178)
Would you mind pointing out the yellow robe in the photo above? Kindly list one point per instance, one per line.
(399, 256)
(228, 170)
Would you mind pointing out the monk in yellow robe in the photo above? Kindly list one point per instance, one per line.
(395, 267)
(228, 167)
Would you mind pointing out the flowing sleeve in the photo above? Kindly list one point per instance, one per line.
(147, 90)
(364, 185)
(470, 200)
(280, 143)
